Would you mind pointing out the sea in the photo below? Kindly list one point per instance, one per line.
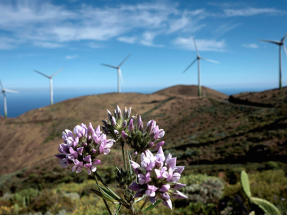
(29, 99)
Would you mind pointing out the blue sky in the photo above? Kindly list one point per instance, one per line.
(80, 34)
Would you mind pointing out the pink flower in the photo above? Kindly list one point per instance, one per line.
(78, 166)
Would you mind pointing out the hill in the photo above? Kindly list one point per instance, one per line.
(191, 91)
(198, 130)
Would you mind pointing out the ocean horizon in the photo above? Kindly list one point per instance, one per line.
(29, 99)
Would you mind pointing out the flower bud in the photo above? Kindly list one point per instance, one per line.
(105, 123)
(116, 132)
(129, 112)
(136, 153)
(109, 115)
(131, 125)
(124, 135)
(124, 124)
(119, 112)
(114, 121)
(140, 123)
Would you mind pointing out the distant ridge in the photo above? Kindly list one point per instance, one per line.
(192, 91)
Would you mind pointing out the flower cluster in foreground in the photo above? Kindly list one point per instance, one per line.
(82, 149)
(157, 177)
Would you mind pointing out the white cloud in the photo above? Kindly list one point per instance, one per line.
(48, 45)
(251, 45)
(127, 39)
(45, 24)
(147, 39)
(70, 57)
(202, 44)
(251, 11)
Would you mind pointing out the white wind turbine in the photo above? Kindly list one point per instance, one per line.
(4, 96)
(280, 43)
(198, 66)
(51, 82)
(119, 71)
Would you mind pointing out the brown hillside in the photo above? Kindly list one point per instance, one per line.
(198, 130)
(268, 98)
(192, 91)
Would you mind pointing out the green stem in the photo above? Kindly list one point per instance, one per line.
(101, 180)
(106, 204)
(146, 200)
(124, 155)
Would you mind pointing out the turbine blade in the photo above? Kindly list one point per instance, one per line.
(11, 91)
(124, 60)
(189, 66)
(270, 41)
(282, 40)
(213, 61)
(56, 72)
(42, 74)
(121, 77)
(1, 85)
(285, 49)
(109, 65)
(195, 46)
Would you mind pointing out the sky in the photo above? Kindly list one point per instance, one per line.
(79, 35)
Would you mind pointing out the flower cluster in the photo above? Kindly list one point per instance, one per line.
(82, 149)
(158, 177)
(141, 139)
(117, 123)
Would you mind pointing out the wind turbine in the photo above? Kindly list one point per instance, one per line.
(119, 71)
(198, 66)
(4, 96)
(280, 43)
(51, 82)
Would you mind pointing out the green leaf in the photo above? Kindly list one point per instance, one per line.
(252, 213)
(109, 192)
(140, 198)
(130, 166)
(103, 195)
(245, 184)
(152, 206)
(118, 208)
(266, 206)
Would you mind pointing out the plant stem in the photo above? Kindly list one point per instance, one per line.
(106, 204)
(146, 200)
(124, 155)
(101, 180)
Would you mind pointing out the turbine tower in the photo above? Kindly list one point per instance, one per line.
(280, 44)
(198, 66)
(119, 71)
(4, 96)
(51, 82)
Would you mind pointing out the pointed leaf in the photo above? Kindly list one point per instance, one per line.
(103, 195)
(130, 159)
(266, 206)
(118, 208)
(139, 199)
(152, 206)
(109, 192)
(245, 184)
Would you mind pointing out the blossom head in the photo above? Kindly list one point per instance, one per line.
(82, 148)
(158, 177)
